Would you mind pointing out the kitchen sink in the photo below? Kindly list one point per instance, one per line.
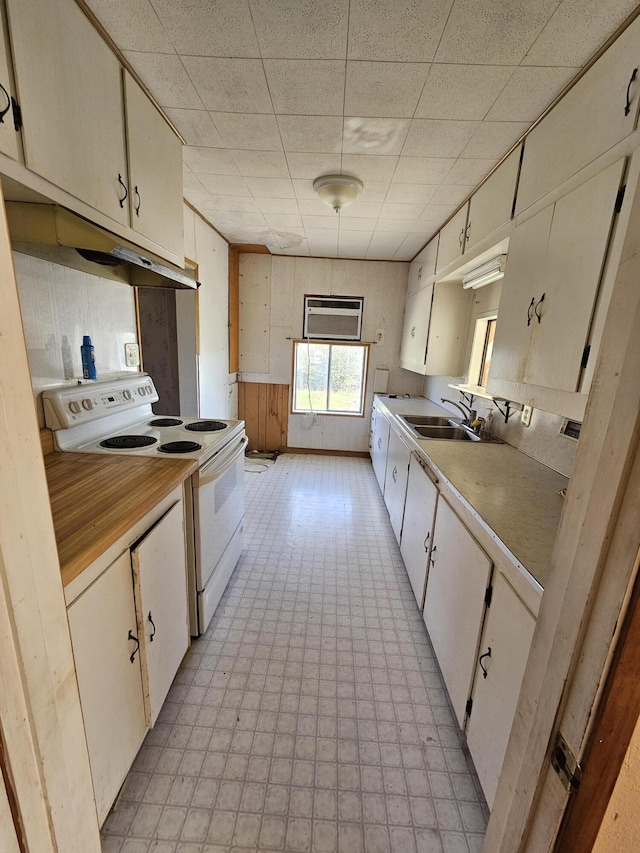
(446, 432)
(428, 420)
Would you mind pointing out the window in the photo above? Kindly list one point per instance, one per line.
(481, 349)
(329, 378)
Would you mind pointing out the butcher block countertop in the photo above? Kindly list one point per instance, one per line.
(95, 499)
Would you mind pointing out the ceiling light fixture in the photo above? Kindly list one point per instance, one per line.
(485, 274)
(338, 191)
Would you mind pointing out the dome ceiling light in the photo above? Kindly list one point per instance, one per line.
(338, 191)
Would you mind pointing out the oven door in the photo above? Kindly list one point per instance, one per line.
(218, 507)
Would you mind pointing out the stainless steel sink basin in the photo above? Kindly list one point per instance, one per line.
(446, 432)
(428, 420)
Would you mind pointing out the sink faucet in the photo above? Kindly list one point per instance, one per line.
(467, 411)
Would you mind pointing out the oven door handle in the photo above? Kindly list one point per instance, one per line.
(219, 464)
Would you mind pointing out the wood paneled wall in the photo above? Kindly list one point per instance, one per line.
(265, 411)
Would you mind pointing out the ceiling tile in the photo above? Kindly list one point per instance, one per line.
(270, 187)
(494, 32)
(191, 183)
(301, 29)
(412, 244)
(132, 25)
(410, 193)
(452, 194)
(278, 205)
(528, 93)
(261, 164)
(240, 218)
(401, 226)
(374, 191)
(196, 126)
(166, 79)
(308, 134)
(493, 139)
(384, 88)
(214, 28)
(224, 184)
(369, 167)
(314, 207)
(229, 85)
(283, 220)
(355, 238)
(387, 241)
(240, 131)
(321, 223)
(290, 238)
(323, 242)
(437, 212)
(348, 250)
(233, 203)
(302, 249)
(306, 87)
(304, 189)
(576, 30)
(353, 225)
(391, 210)
(375, 135)
(462, 92)
(433, 138)
(422, 170)
(311, 166)
(362, 210)
(470, 171)
(400, 30)
(210, 161)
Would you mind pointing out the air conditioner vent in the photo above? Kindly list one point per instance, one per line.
(336, 318)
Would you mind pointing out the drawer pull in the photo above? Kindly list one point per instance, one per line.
(426, 539)
(139, 200)
(153, 626)
(124, 187)
(380, 443)
(137, 642)
(531, 304)
(539, 302)
(394, 474)
(433, 554)
(627, 106)
(487, 654)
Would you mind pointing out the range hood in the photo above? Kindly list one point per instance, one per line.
(52, 232)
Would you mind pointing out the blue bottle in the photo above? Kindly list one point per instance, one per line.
(88, 359)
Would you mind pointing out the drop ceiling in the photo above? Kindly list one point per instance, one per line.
(417, 98)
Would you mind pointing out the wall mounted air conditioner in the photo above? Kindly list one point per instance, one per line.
(335, 318)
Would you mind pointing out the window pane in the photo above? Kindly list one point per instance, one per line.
(346, 379)
(312, 375)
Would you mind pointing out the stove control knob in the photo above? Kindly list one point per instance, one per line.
(127, 394)
(87, 404)
(142, 390)
(74, 405)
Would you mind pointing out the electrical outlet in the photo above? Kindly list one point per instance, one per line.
(132, 355)
(526, 415)
(380, 337)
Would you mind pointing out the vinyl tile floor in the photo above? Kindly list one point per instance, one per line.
(312, 715)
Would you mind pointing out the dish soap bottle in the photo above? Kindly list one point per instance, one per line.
(88, 358)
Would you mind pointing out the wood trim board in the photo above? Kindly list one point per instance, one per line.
(264, 408)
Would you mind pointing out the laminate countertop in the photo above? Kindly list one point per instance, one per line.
(513, 496)
(95, 499)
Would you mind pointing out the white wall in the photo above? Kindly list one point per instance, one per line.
(271, 307)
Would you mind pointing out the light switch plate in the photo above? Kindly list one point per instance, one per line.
(526, 415)
(380, 337)
(132, 355)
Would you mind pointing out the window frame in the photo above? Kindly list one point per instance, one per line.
(338, 343)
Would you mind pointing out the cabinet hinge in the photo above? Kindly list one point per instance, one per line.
(468, 707)
(488, 595)
(564, 763)
(620, 198)
(585, 356)
(17, 114)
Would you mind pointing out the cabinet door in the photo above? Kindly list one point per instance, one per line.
(454, 604)
(161, 603)
(448, 326)
(415, 330)
(395, 484)
(572, 270)
(588, 121)
(155, 169)
(70, 91)
(109, 681)
(9, 138)
(8, 837)
(507, 635)
(423, 267)
(417, 529)
(451, 245)
(492, 205)
(379, 449)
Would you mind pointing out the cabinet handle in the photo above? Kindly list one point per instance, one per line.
(137, 207)
(380, 443)
(8, 107)
(426, 539)
(413, 331)
(487, 654)
(466, 233)
(627, 106)
(531, 304)
(153, 626)
(126, 191)
(539, 302)
(433, 553)
(461, 238)
(394, 473)
(136, 641)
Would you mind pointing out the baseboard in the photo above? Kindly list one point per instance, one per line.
(360, 454)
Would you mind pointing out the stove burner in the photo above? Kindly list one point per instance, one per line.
(128, 442)
(180, 447)
(165, 422)
(206, 426)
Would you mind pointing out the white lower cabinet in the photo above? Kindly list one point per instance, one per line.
(502, 658)
(454, 606)
(395, 483)
(417, 529)
(105, 647)
(379, 448)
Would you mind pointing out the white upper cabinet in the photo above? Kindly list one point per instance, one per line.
(550, 288)
(155, 171)
(417, 313)
(452, 239)
(10, 143)
(70, 92)
(589, 120)
(423, 267)
(491, 206)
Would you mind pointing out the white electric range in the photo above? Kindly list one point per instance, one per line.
(116, 417)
